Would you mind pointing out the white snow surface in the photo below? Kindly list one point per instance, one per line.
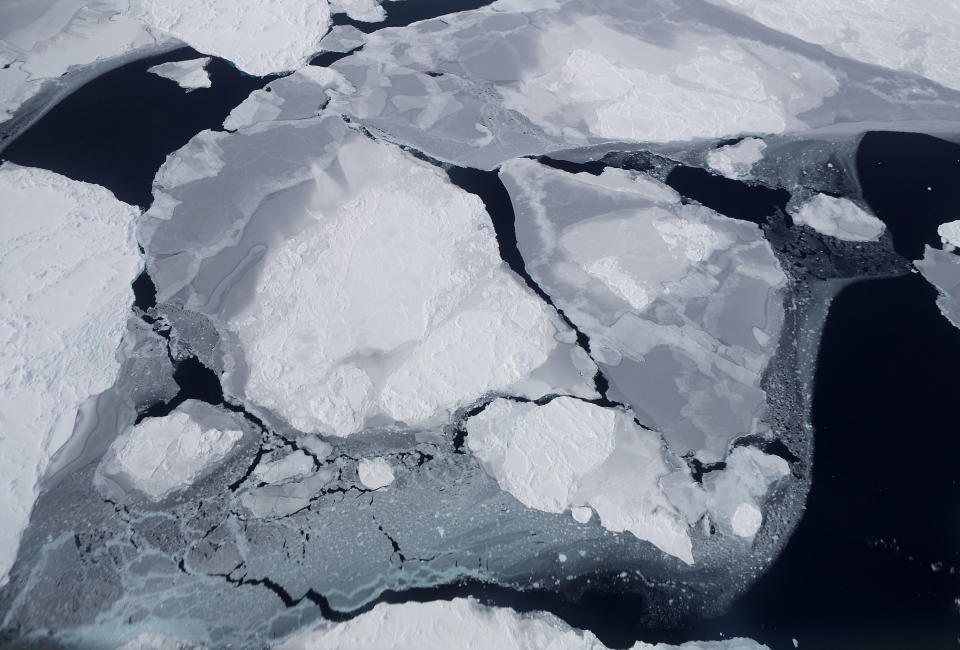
(950, 234)
(461, 623)
(164, 454)
(375, 473)
(573, 453)
(838, 217)
(189, 74)
(68, 256)
(736, 160)
(912, 37)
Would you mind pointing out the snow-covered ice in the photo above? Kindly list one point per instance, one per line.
(736, 160)
(67, 257)
(164, 454)
(950, 234)
(683, 306)
(838, 217)
(572, 453)
(463, 622)
(375, 473)
(941, 268)
(189, 74)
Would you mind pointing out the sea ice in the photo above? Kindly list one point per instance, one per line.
(462, 622)
(67, 257)
(367, 11)
(942, 270)
(295, 464)
(838, 217)
(683, 306)
(188, 74)
(375, 473)
(164, 454)
(736, 160)
(572, 453)
(949, 234)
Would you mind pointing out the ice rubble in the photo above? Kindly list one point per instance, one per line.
(571, 454)
(949, 234)
(405, 312)
(942, 270)
(375, 473)
(736, 160)
(889, 33)
(68, 257)
(464, 622)
(190, 74)
(838, 217)
(682, 306)
(164, 454)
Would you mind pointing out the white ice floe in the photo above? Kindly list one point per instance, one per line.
(375, 473)
(190, 74)
(68, 255)
(462, 623)
(367, 11)
(941, 268)
(683, 306)
(163, 454)
(42, 39)
(838, 217)
(295, 464)
(889, 33)
(572, 453)
(294, 97)
(405, 311)
(949, 234)
(259, 38)
(736, 160)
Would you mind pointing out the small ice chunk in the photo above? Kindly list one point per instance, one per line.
(462, 623)
(164, 454)
(736, 160)
(292, 465)
(838, 217)
(582, 514)
(375, 473)
(562, 557)
(950, 234)
(188, 74)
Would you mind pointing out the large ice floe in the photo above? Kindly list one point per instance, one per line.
(68, 258)
(466, 623)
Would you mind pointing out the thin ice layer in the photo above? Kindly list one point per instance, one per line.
(683, 306)
(569, 454)
(920, 39)
(462, 622)
(67, 257)
(404, 312)
(942, 270)
(163, 454)
(838, 217)
(189, 74)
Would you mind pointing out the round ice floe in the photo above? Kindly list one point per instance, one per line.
(375, 473)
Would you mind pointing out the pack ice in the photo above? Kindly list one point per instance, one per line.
(67, 257)
(353, 285)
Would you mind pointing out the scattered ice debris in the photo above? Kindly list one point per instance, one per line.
(68, 255)
(886, 33)
(941, 268)
(949, 234)
(736, 160)
(572, 453)
(293, 465)
(190, 74)
(672, 296)
(462, 622)
(375, 473)
(164, 454)
(838, 217)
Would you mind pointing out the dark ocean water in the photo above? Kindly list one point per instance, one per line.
(871, 564)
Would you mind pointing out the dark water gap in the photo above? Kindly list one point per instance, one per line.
(118, 129)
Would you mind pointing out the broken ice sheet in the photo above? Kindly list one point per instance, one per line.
(190, 74)
(683, 306)
(942, 270)
(67, 257)
(404, 313)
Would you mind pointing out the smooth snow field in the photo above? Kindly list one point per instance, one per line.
(514, 324)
